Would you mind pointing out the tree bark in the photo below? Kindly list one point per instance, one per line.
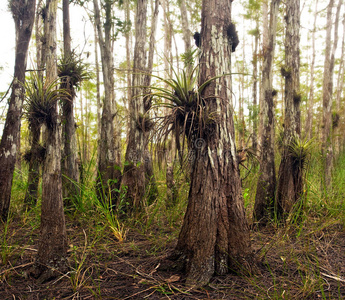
(24, 15)
(309, 118)
(134, 171)
(70, 170)
(215, 235)
(327, 93)
(265, 191)
(290, 180)
(109, 174)
(52, 247)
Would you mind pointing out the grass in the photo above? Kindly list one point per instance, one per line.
(117, 258)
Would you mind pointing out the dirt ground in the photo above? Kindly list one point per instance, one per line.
(295, 263)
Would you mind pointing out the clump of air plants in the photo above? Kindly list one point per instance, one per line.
(72, 70)
(335, 119)
(144, 123)
(39, 154)
(233, 36)
(188, 115)
(300, 149)
(297, 97)
(40, 99)
(197, 39)
(285, 71)
(274, 92)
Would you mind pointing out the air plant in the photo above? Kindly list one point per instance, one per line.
(40, 99)
(72, 69)
(299, 149)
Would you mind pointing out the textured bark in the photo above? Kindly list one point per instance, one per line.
(214, 238)
(309, 118)
(109, 174)
(52, 247)
(265, 191)
(340, 88)
(134, 171)
(31, 194)
(70, 170)
(327, 91)
(255, 90)
(24, 15)
(290, 180)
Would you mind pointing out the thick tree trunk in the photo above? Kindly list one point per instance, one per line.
(265, 191)
(70, 170)
(24, 15)
(214, 238)
(52, 247)
(109, 174)
(290, 180)
(134, 171)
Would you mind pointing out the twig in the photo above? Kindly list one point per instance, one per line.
(333, 277)
(17, 267)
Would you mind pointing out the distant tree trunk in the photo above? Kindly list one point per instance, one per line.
(215, 235)
(98, 93)
(70, 170)
(150, 180)
(185, 31)
(52, 247)
(31, 194)
(309, 119)
(340, 88)
(134, 171)
(290, 180)
(265, 42)
(265, 191)
(327, 93)
(255, 90)
(109, 174)
(23, 14)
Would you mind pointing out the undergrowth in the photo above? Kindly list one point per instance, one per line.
(125, 258)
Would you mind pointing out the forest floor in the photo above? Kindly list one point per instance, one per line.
(296, 262)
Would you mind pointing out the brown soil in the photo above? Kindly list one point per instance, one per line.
(305, 263)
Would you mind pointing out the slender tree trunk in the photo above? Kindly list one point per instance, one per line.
(290, 177)
(340, 88)
(255, 90)
(327, 95)
(109, 174)
(70, 170)
(52, 247)
(31, 194)
(309, 119)
(24, 15)
(134, 171)
(265, 191)
(98, 93)
(215, 235)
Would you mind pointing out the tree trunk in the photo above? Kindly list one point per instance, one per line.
(70, 170)
(255, 90)
(290, 181)
(215, 235)
(265, 191)
(24, 15)
(309, 119)
(134, 171)
(52, 247)
(109, 174)
(340, 88)
(327, 93)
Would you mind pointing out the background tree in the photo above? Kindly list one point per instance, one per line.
(109, 172)
(290, 182)
(134, 171)
(24, 15)
(265, 190)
